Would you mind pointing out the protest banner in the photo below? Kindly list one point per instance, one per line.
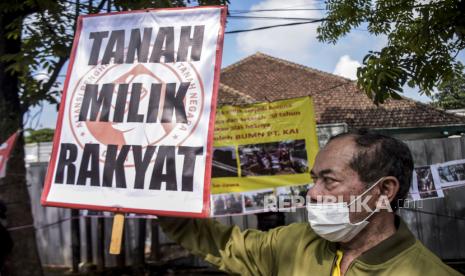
(450, 173)
(258, 148)
(5, 151)
(135, 126)
(424, 185)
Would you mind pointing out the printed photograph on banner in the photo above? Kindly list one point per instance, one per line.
(426, 186)
(270, 144)
(292, 196)
(254, 201)
(227, 204)
(450, 173)
(300, 190)
(276, 158)
(224, 162)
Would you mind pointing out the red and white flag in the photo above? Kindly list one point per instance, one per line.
(5, 150)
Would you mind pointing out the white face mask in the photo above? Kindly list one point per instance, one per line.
(331, 220)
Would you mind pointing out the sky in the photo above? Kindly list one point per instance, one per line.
(294, 43)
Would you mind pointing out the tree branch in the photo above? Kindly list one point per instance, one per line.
(100, 6)
(42, 93)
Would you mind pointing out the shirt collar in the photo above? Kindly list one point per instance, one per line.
(390, 247)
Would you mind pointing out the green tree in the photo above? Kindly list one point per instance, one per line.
(39, 135)
(423, 40)
(451, 94)
(35, 44)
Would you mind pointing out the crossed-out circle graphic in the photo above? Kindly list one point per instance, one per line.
(144, 134)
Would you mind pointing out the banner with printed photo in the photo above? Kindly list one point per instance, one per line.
(431, 181)
(424, 185)
(450, 173)
(282, 199)
(262, 146)
(135, 126)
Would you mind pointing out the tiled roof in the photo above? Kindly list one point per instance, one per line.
(260, 78)
(229, 95)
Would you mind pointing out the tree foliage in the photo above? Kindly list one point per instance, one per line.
(35, 44)
(423, 40)
(451, 94)
(47, 33)
(39, 135)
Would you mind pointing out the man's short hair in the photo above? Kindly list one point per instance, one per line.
(378, 156)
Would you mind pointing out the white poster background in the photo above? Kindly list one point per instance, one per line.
(198, 101)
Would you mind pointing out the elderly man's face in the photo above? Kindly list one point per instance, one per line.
(333, 176)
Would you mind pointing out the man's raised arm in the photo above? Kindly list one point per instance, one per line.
(250, 252)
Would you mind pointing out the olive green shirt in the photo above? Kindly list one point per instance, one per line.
(296, 250)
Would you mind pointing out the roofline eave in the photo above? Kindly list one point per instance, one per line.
(451, 128)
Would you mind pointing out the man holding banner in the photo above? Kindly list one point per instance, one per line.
(134, 135)
(360, 179)
(135, 126)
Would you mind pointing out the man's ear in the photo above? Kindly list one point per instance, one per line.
(389, 187)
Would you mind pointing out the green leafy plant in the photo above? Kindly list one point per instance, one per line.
(423, 40)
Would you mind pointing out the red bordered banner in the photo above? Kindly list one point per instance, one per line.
(135, 127)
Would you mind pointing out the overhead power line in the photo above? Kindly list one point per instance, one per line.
(275, 26)
(273, 10)
(270, 17)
